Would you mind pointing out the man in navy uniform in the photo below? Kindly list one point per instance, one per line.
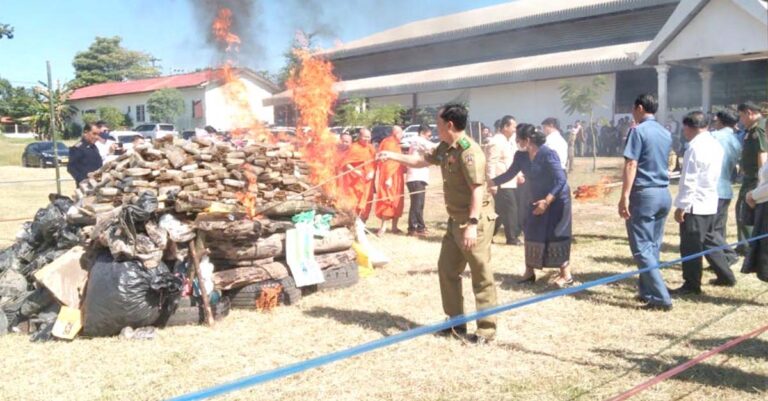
(84, 156)
(645, 199)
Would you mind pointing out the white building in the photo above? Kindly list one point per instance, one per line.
(512, 58)
(203, 92)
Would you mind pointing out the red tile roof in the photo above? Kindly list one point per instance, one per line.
(143, 85)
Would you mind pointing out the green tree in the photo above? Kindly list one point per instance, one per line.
(583, 99)
(110, 115)
(6, 30)
(354, 112)
(62, 111)
(165, 105)
(107, 61)
(16, 102)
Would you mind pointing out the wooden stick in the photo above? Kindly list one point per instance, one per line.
(193, 253)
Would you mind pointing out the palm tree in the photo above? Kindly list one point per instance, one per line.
(582, 100)
(62, 111)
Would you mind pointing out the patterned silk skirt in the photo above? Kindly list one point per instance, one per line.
(548, 237)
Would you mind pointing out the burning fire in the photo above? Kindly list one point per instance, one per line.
(596, 191)
(314, 98)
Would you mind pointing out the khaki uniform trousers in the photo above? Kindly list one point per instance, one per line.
(452, 262)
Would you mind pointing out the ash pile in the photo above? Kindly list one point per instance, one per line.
(175, 233)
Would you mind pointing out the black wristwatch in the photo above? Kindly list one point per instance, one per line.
(473, 221)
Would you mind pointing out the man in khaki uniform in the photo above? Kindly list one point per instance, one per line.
(471, 218)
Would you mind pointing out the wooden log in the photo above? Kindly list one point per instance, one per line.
(229, 264)
(108, 191)
(196, 252)
(137, 172)
(240, 277)
(234, 183)
(175, 155)
(273, 246)
(189, 167)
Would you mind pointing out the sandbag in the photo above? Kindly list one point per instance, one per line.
(122, 294)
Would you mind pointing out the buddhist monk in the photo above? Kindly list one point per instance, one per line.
(390, 184)
(358, 184)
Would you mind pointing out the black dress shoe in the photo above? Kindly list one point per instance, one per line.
(528, 280)
(722, 283)
(656, 307)
(641, 299)
(457, 331)
(515, 242)
(682, 291)
(479, 339)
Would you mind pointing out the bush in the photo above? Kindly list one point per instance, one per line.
(73, 130)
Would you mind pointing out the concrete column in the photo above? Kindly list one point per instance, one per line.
(706, 88)
(662, 72)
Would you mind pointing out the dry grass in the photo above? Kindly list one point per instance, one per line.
(587, 347)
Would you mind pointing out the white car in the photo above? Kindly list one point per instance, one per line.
(124, 138)
(156, 131)
(412, 131)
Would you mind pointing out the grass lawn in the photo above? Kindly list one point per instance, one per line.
(589, 346)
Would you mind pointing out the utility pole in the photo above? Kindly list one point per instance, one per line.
(53, 130)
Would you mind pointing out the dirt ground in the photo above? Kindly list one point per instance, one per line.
(588, 346)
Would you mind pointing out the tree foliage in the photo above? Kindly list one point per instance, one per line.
(582, 100)
(354, 113)
(16, 102)
(107, 61)
(165, 105)
(110, 115)
(6, 30)
(62, 111)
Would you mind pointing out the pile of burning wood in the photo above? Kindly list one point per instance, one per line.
(214, 216)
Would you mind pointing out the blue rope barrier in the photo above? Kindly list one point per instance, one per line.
(297, 367)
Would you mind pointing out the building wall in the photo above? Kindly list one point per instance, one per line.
(532, 102)
(221, 115)
(128, 104)
(626, 27)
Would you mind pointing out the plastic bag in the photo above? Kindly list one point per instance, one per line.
(12, 284)
(122, 294)
(8, 260)
(46, 224)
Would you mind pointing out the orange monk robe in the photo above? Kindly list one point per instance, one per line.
(389, 200)
(358, 186)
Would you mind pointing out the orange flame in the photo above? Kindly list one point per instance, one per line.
(595, 191)
(222, 26)
(314, 96)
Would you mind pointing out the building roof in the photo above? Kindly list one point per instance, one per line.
(508, 16)
(547, 66)
(194, 79)
(685, 12)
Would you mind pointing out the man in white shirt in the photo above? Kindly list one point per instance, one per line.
(417, 179)
(499, 155)
(696, 205)
(555, 140)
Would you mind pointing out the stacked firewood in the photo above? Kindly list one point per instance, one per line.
(238, 200)
(197, 173)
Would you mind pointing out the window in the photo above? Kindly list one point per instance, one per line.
(140, 113)
(197, 109)
(166, 127)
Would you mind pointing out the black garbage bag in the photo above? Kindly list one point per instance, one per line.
(121, 294)
(67, 237)
(44, 324)
(42, 258)
(46, 224)
(9, 260)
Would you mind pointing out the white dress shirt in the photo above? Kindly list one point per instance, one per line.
(760, 193)
(499, 155)
(702, 164)
(556, 142)
(420, 145)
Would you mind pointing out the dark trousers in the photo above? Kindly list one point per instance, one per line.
(649, 208)
(506, 207)
(721, 223)
(745, 216)
(416, 212)
(697, 234)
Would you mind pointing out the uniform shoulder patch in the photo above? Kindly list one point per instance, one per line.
(464, 143)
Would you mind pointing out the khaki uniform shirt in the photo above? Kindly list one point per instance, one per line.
(463, 166)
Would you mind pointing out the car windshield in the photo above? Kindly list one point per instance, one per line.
(145, 128)
(166, 127)
(48, 147)
(125, 138)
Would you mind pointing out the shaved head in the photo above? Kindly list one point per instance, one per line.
(397, 131)
(365, 136)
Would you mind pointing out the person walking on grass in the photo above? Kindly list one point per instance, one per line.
(548, 227)
(645, 200)
(417, 179)
(499, 154)
(467, 239)
(696, 206)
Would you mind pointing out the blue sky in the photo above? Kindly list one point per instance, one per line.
(173, 30)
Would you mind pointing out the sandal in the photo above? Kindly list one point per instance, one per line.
(564, 283)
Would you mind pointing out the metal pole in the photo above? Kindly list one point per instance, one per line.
(53, 130)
